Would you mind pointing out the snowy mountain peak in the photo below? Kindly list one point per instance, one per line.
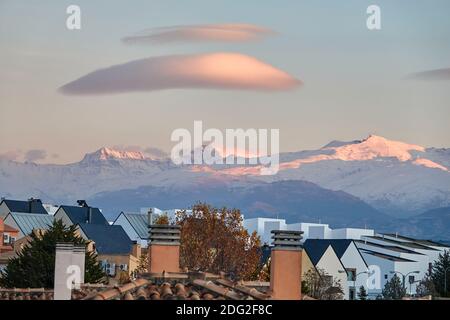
(109, 153)
(376, 146)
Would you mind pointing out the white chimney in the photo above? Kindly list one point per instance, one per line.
(69, 269)
(63, 261)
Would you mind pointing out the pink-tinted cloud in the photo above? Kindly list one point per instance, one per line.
(213, 71)
(230, 32)
(35, 155)
(10, 155)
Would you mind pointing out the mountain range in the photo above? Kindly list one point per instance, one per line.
(374, 182)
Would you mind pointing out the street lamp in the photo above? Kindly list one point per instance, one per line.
(404, 277)
(445, 279)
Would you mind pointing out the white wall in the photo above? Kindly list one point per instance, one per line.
(9, 220)
(352, 259)
(129, 230)
(351, 233)
(331, 264)
(264, 226)
(61, 215)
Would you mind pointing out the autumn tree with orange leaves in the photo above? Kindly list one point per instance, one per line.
(215, 240)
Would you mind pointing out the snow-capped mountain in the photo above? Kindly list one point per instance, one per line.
(393, 177)
(397, 178)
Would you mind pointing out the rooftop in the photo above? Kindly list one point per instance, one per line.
(27, 222)
(386, 256)
(108, 239)
(79, 215)
(29, 206)
(139, 222)
(419, 241)
(392, 248)
(413, 245)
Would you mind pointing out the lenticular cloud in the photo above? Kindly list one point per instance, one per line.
(213, 71)
(231, 32)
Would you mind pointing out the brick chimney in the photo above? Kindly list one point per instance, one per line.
(164, 248)
(285, 265)
(136, 249)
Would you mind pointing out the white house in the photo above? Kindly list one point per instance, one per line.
(264, 226)
(324, 258)
(355, 266)
(171, 213)
(385, 266)
(135, 226)
(27, 222)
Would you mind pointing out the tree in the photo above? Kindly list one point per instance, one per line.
(319, 285)
(362, 294)
(438, 270)
(393, 289)
(426, 286)
(215, 240)
(34, 266)
(162, 219)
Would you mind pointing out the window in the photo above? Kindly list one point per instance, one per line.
(411, 279)
(6, 239)
(386, 276)
(351, 274)
(328, 280)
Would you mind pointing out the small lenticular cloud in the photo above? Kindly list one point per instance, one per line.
(211, 71)
(231, 32)
(431, 75)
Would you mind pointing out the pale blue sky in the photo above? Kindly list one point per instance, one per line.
(354, 78)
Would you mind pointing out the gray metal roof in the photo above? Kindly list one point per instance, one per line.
(29, 221)
(139, 223)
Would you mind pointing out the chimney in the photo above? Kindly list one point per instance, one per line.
(63, 261)
(89, 215)
(136, 249)
(150, 217)
(79, 259)
(164, 248)
(69, 269)
(285, 265)
(31, 202)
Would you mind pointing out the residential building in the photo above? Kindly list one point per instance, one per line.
(325, 259)
(384, 267)
(264, 226)
(25, 223)
(413, 257)
(8, 236)
(80, 214)
(135, 226)
(352, 260)
(30, 206)
(116, 252)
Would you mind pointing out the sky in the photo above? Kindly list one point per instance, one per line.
(311, 69)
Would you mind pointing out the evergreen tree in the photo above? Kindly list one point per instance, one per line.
(393, 289)
(34, 266)
(438, 271)
(362, 294)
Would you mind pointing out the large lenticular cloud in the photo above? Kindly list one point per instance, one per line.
(214, 71)
(232, 32)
